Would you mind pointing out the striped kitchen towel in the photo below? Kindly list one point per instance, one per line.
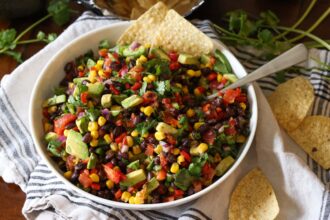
(301, 185)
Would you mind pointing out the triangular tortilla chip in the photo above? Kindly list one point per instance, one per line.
(176, 33)
(144, 29)
(253, 198)
(313, 135)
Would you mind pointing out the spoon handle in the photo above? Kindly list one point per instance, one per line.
(289, 58)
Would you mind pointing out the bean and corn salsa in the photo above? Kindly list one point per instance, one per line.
(133, 124)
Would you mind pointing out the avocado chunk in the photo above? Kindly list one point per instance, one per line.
(95, 89)
(131, 101)
(79, 80)
(188, 59)
(51, 136)
(133, 178)
(134, 165)
(55, 100)
(205, 59)
(119, 98)
(115, 110)
(230, 77)
(106, 100)
(75, 146)
(152, 185)
(159, 53)
(128, 52)
(224, 165)
(168, 129)
(92, 161)
(82, 124)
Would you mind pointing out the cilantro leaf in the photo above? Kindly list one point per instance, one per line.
(14, 54)
(104, 44)
(59, 9)
(93, 114)
(7, 38)
(144, 127)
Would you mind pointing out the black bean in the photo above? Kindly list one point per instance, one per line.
(121, 155)
(185, 142)
(156, 160)
(122, 166)
(211, 121)
(203, 128)
(115, 66)
(114, 161)
(190, 191)
(131, 63)
(106, 127)
(79, 166)
(143, 145)
(171, 158)
(155, 199)
(150, 86)
(137, 120)
(75, 176)
(70, 125)
(206, 71)
(117, 131)
(69, 67)
(109, 155)
(87, 137)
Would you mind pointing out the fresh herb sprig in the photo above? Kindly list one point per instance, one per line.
(58, 10)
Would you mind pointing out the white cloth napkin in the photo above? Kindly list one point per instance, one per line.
(301, 186)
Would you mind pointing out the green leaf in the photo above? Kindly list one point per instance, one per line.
(7, 38)
(53, 148)
(51, 37)
(41, 35)
(269, 18)
(59, 90)
(90, 63)
(265, 36)
(144, 127)
(104, 44)
(14, 54)
(93, 114)
(59, 9)
(183, 179)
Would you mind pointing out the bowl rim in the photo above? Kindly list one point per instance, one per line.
(39, 146)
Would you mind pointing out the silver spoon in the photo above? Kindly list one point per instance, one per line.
(289, 58)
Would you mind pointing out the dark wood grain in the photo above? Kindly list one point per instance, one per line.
(11, 197)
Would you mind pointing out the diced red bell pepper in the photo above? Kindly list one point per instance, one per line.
(115, 175)
(178, 193)
(186, 156)
(81, 74)
(118, 194)
(85, 180)
(136, 86)
(208, 172)
(174, 66)
(231, 94)
(83, 97)
(173, 56)
(230, 131)
(103, 52)
(163, 160)
(120, 138)
(96, 186)
(60, 123)
(114, 90)
(212, 76)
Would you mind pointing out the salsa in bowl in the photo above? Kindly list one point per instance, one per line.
(131, 126)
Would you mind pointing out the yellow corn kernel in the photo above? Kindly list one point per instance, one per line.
(158, 149)
(145, 135)
(176, 151)
(202, 148)
(143, 59)
(146, 79)
(174, 168)
(240, 139)
(130, 155)
(142, 109)
(101, 121)
(147, 45)
(243, 105)
(92, 76)
(197, 125)
(197, 92)
(209, 65)
(93, 126)
(109, 184)
(66, 132)
(107, 138)
(198, 73)
(152, 77)
(80, 68)
(191, 73)
(135, 133)
(95, 134)
(219, 77)
(100, 62)
(94, 177)
(94, 143)
(68, 174)
(185, 90)
(148, 110)
(125, 196)
(131, 200)
(52, 109)
(159, 135)
(71, 85)
(101, 73)
(190, 113)
(90, 104)
(180, 159)
(194, 151)
(114, 147)
(130, 141)
(136, 149)
(138, 200)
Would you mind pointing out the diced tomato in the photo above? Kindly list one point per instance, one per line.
(209, 137)
(178, 193)
(241, 98)
(163, 160)
(115, 175)
(84, 180)
(169, 199)
(136, 86)
(103, 52)
(114, 90)
(168, 119)
(60, 123)
(231, 94)
(206, 107)
(83, 97)
(232, 122)
(186, 156)
(208, 172)
(170, 139)
(230, 131)
(131, 189)
(118, 194)
(127, 86)
(174, 66)
(173, 56)
(212, 76)
(149, 150)
(70, 162)
(120, 138)
(167, 103)
(161, 175)
(136, 75)
(137, 69)
(81, 74)
(123, 71)
(96, 186)
(149, 97)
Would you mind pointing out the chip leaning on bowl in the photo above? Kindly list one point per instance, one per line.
(132, 124)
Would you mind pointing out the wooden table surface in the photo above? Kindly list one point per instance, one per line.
(11, 197)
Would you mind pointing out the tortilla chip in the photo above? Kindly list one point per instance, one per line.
(253, 198)
(313, 135)
(176, 33)
(291, 102)
(143, 30)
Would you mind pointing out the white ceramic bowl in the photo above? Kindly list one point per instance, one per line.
(53, 73)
